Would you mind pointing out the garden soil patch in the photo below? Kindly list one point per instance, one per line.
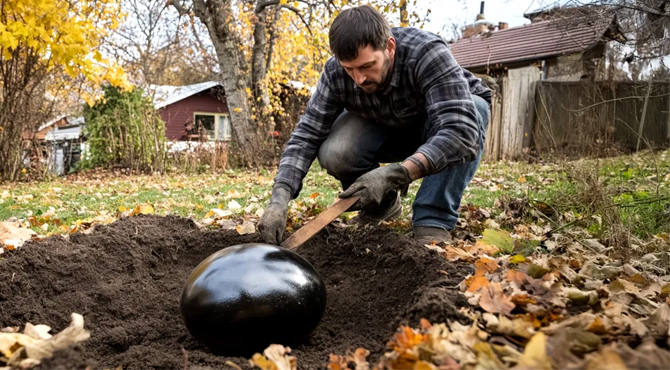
(125, 279)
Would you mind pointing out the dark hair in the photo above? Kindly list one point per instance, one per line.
(356, 28)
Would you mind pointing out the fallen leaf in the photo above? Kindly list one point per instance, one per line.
(233, 205)
(275, 357)
(486, 264)
(246, 228)
(10, 342)
(232, 193)
(314, 195)
(209, 199)
(517, 277)
(37, 331)
(646, 356)
(146, 209)
(481, 248)
(536, 271)
(493, 300)
(498, 238)
(454, 254)
(11, 234)
(659, 322)
(406, 338)
(517, 259)
(487, 360)
(606, 359)
(40, 349)
(597, 327)
(475, 283)
(519, 327)
(535, 354)
(522, 300)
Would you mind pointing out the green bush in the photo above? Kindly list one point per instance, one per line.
(123, 129)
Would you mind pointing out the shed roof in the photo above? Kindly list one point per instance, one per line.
(164, 95)
(68, 133)
(533, 41)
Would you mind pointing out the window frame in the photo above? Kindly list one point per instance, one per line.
(216, 126)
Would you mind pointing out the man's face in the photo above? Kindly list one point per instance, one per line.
(372, 68)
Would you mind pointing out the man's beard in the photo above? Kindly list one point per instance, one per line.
(385, 78)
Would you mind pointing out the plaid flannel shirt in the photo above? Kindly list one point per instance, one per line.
(427, 87)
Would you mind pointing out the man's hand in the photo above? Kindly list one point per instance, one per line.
(374, 185)
(273, 222)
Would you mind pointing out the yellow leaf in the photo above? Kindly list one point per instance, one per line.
(606, 359)
(535, 355)
(521, 179)
(517, 259)
(423, 365)
(146, 209)
(122, 209)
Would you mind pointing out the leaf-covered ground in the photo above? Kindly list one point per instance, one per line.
(76, 202)
(571, 259)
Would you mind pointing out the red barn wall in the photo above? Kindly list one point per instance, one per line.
(176, 115)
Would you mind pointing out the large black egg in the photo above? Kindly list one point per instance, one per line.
(245, 297)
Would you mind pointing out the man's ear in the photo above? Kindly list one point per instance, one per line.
(390, 47)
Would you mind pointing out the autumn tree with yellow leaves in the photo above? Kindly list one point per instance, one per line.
(261, 43)
(46, 47)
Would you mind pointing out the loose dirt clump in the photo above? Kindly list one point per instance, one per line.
(126, 278)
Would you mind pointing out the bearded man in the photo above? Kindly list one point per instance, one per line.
(388, 95)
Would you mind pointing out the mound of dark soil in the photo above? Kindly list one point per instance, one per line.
(126, 278)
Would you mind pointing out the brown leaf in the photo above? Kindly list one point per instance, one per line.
(493, 300)
(659, 322)
(522, 300)
(481, 248)
(454, 254)
(597, 327)
(518, 277)
(519, 327)
(486, 264)
(475, 283)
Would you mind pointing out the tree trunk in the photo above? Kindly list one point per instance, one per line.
(219, 18)
(258, 65)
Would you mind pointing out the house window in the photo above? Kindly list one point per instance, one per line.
(216, 126)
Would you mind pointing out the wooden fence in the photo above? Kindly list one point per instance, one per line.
(592, 118)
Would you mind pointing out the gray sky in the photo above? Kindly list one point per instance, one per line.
(464, 11)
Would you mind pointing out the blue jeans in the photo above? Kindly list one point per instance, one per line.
(356, 146)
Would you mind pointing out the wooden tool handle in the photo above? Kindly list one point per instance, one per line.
(310, 229)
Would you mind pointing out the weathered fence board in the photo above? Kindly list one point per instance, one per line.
(592, 118)
(518, 110)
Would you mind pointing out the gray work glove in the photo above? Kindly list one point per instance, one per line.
(374, 185)
(273, 222)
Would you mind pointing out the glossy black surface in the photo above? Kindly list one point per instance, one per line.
(245, 297)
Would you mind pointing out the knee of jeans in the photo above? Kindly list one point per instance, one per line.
(337, 158)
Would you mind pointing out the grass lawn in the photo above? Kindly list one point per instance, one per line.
(58, 205)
